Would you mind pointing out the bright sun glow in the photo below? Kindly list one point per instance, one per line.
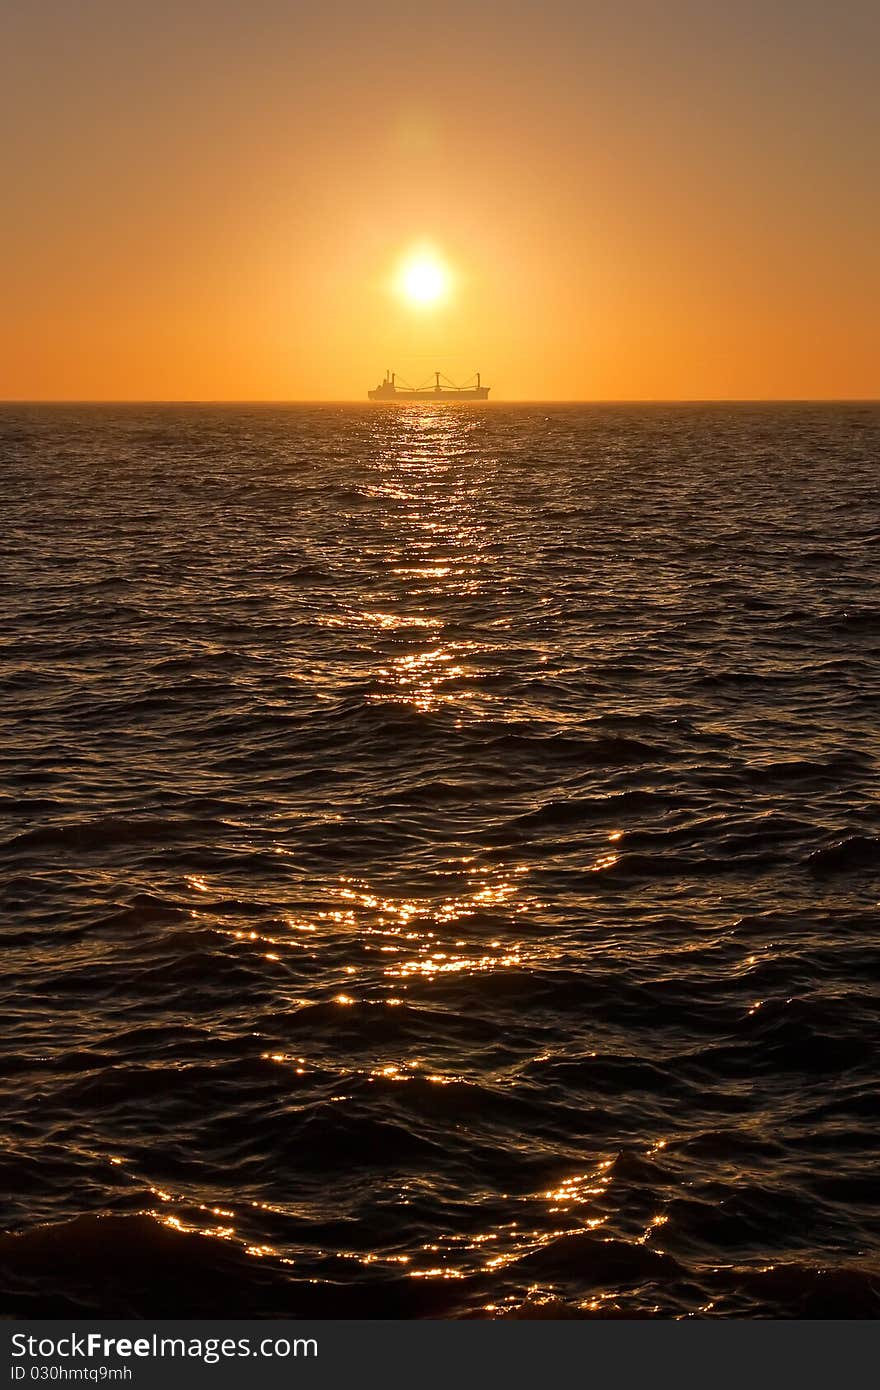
(423, 279)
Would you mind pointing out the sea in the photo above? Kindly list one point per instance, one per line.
(440, 853)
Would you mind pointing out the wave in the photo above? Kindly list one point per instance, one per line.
(440, 854)
(851, 854)
(139, 1265)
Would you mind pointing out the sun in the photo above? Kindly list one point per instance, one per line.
(423, 279)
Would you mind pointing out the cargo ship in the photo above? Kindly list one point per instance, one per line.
(390, 391)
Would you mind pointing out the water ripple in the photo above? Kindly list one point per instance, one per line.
(440, 860)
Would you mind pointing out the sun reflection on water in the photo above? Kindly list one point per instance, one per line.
(397, 944)
(569, 1209)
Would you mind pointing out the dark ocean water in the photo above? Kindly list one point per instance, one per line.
(441, 855)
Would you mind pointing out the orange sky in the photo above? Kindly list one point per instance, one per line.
(640, 201)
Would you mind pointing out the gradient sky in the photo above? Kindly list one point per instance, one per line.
(639, 201)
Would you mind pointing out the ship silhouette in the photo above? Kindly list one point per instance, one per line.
(390, 391)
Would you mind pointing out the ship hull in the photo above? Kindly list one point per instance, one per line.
(476, 393)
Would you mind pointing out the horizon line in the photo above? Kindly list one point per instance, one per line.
(358, 400)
